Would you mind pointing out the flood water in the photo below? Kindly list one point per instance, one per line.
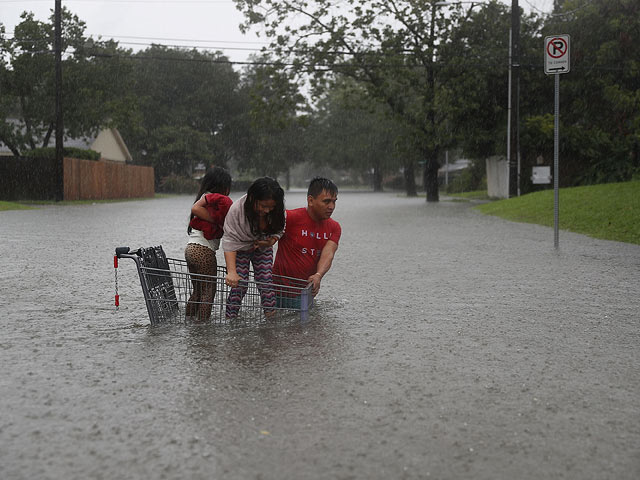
(444, 344)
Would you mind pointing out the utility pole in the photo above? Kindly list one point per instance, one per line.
(513, 146)
(431, 165)
(59, 190)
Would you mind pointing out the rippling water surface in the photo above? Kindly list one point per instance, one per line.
(444, 344)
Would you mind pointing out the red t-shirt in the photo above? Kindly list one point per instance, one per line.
(303, 240)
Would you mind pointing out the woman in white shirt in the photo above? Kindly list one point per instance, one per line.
(253, 225)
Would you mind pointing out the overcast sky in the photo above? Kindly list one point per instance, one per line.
(191, 23)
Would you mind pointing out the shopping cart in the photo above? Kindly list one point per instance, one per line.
(168, 286)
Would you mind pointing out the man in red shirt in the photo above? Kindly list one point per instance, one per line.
(311, 237)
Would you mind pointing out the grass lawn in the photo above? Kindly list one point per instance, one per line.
(609, 211)
(31, 204)
(13, 206)
(475, 195)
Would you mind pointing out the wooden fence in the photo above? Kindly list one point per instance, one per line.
(35, 179)
(89, 180)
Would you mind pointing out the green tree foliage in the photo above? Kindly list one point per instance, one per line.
(28, 84)
(349, 128)
(273, 125)
(387, 46)
(396, 82)
(475, 80)
(91, 96)
(50, 153)
(600, 97)
(187, 102)
(443, 70)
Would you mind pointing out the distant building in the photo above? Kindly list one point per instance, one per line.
(199, 170)
(108, 142)
(451, 170)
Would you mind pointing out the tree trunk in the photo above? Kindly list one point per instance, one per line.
(47, 137)
(410, 180)
(431, 180)
(10, 146)
(27, 124)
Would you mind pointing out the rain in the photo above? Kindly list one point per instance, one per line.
(444, 342)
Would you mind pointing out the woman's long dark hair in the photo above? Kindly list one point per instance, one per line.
(216, 180)
(265, 188)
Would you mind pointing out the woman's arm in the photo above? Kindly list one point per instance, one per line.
(232, 279)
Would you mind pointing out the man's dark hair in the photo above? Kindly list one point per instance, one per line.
(319, 184)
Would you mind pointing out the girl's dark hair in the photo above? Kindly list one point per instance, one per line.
(215, 180)
(265, 188)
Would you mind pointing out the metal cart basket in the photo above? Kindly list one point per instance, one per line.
(168, 288)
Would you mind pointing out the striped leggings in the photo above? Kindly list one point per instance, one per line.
(262, 261)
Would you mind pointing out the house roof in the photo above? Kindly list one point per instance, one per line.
(459, 164)
(103, 142)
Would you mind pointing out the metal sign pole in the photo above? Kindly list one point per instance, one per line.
(557, 60)
(556, 235)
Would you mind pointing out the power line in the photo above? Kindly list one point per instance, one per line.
(192, 47)
(533, 7)
(335, 67)
(178, 39)
(407, 54)
(151, 40)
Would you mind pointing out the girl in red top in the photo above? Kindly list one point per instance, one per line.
(205, 229)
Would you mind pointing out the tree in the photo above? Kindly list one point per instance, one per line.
(274, 122)
(474, 79)
(28, 86)
(91, 96)
(388, 46)
(9, 135)
(187, 100)
(350, 129)
(176, 149)
(600, 99)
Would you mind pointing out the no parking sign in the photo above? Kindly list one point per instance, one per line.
(556, 55)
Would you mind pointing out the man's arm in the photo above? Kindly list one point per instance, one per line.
(324, 264)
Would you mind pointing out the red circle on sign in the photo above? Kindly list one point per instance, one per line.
(559, 47)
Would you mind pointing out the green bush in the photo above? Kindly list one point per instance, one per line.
(178, 184)
(395, 183)
(470, 179)
(73, 152)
